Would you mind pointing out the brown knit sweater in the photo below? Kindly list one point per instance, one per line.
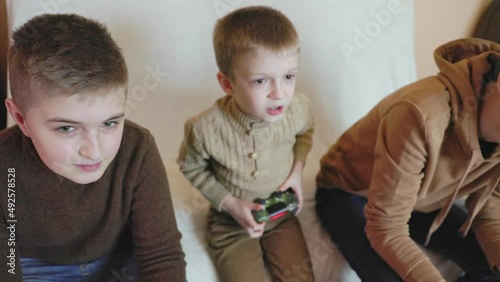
(226, 152)
(62, 222)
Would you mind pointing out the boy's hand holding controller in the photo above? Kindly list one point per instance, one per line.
(241, 211)
(276, 205)
(294, 180)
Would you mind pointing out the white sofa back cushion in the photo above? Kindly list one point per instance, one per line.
(353, 53)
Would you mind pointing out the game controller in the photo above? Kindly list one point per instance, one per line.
(276, 206)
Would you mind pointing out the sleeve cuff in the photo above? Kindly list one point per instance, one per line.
(216, 195)
(300, 152)
(424, 271)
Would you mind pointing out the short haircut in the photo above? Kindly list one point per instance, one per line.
(62, 54)
(249, 28)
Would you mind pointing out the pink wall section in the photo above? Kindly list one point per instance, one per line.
(440, 21)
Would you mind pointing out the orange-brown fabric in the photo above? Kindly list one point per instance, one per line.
(419, 149)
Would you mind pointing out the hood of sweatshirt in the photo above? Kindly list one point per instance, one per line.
(466, 67)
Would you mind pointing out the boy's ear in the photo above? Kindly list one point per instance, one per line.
(16, 114)
(225, 83)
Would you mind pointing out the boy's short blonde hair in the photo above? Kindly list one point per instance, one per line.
(62, 54)
(249, 28)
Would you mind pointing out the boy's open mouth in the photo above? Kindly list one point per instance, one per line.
(276, 110)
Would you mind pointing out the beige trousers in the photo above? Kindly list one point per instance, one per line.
(239, 258)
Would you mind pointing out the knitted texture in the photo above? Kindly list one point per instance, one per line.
(227, 152)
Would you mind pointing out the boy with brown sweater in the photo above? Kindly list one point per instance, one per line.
(250, 143)
(84, 190)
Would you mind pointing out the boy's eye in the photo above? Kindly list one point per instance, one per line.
(290, 76)
(259, 81)
(66, 129)
(109, 124)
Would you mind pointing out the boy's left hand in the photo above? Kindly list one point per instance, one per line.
(294, 180)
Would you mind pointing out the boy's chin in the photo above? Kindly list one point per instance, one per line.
(83, 178)
(86, 180)
(273, 119)
(267, 118)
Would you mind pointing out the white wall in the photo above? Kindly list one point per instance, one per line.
(437, 22)
(352, 54)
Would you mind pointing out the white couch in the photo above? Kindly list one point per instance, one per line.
(353, 53)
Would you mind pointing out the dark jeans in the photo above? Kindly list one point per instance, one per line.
(342, 216)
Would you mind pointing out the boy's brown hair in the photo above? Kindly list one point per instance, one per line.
(62, 54)
(249, 28)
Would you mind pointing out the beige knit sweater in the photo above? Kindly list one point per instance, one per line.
(225, 152)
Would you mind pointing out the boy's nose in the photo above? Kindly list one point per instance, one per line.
(277, 92)
(91, 149)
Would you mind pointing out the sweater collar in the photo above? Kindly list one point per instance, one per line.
(241, 121)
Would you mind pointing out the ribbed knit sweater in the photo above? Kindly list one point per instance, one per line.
(226, 152)
(62, 222)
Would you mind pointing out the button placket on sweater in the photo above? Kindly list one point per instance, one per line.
(261, 139)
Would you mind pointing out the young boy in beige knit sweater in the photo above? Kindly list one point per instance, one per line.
(83, 189)
(250, 143)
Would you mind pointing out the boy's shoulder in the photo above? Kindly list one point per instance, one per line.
(135, 136)
(9, 134)
(10, 141)
(133, 129)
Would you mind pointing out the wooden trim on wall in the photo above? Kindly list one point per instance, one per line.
(4, 45)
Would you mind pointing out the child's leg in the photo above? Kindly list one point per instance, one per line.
(285, 251)
(342, 216)
(237, 257)
(465, 252)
